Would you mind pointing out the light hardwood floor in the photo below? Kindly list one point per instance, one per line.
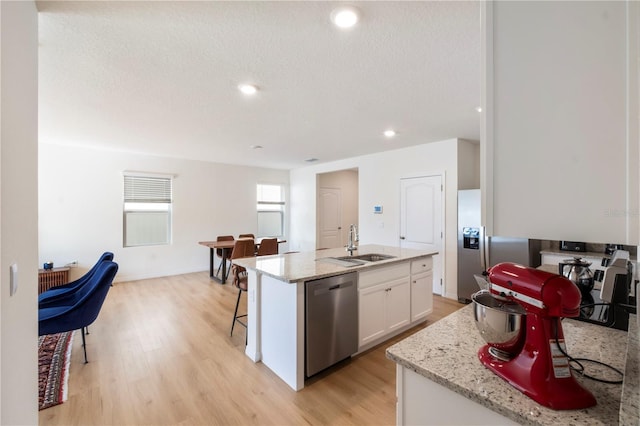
(160, 353)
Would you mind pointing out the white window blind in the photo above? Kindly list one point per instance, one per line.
(147, 210)
(270, 210)
(141, 189)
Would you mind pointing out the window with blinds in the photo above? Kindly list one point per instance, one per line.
(147, 210)
(270, 210)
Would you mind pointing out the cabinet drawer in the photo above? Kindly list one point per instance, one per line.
(422, 265)
(383, 274)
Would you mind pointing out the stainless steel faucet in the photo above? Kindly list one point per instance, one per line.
(352, 238)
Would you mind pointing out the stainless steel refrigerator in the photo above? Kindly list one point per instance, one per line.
(475, 249)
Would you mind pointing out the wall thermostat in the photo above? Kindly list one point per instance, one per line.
(377, 209)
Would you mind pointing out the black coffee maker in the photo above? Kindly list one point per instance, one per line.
(609, 249)
(578, 272)
(608, 305)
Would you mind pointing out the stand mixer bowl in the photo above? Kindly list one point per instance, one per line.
(501, 324)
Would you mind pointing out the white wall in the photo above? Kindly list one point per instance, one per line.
(80, 213)
(19, 212)
(379, 176)
(468, 165)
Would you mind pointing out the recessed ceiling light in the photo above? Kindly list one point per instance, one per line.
(479, 109)
(345, 16)
(390, 133)
(248, 89)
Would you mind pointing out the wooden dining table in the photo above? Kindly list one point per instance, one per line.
(226, 247)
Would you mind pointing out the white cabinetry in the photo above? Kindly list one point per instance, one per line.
(443, 406)
(421, 285)
(545, 141)
(383, 309)
(384, 302)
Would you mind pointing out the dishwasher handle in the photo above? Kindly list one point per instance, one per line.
(324, 289)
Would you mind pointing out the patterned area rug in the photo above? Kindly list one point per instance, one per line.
(54, 355)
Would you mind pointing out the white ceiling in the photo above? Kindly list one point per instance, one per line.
(161, 78)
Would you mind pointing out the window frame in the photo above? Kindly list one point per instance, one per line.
(148, 200)
(281, 210)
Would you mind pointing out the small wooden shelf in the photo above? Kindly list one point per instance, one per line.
(48, 278)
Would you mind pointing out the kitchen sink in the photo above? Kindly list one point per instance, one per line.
(351, 261)
(371, 257)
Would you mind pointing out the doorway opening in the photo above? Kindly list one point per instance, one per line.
(337, 207)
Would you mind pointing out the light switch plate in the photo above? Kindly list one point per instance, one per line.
(13, 279)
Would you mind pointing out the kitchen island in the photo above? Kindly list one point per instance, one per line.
(442, 360)
(276, 300)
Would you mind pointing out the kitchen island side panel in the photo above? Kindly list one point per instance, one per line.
(282, 329)
(442, 407)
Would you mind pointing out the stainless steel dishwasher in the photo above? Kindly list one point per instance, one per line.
(331, 321)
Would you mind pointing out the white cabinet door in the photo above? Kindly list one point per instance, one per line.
(421, 296)
(371, 318)
(545, 137)
(383, 309)
(397, 309)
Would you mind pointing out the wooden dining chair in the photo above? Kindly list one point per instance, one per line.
(268, 246)
(255, 249)
(220, 252)
(241, 248)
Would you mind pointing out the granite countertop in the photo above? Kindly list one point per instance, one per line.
(300, 266)
(446, 353)
(630, 404)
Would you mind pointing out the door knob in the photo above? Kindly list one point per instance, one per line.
(401, 237)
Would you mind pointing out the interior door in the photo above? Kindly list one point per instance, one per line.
(421, 219)
(330, 218)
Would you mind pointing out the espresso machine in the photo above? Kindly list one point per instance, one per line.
(519, 316)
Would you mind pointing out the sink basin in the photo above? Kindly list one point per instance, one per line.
(371, 257)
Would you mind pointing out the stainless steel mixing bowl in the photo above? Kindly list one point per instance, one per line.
(501, 323)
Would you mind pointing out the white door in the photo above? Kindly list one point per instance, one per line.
(421, 219)
(330, 218)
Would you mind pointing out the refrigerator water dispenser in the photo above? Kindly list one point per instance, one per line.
(471, 238)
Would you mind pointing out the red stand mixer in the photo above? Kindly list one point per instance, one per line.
(532, 302)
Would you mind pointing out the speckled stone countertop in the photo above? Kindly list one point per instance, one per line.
(630, 404)
(446, 353)
(295, 267)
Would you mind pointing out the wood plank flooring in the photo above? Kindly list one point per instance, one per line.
(160, 353)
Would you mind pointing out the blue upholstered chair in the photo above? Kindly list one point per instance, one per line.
(50, 296)
(80, 308)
